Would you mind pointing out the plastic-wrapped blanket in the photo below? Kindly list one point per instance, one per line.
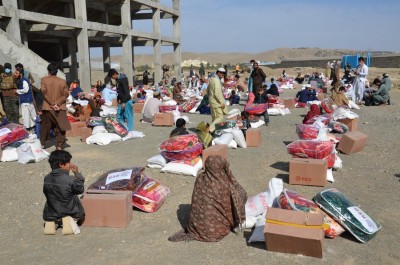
(310, 148)
(11, 133)
(187, 154)
(120, 179)
(349, 215)
(179, 143)
(150, 196)
(256, 109)
(306, 131)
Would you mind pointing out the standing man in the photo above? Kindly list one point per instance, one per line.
(359, 81)
(125, 110)
(250, 86)
(26, 99)
(9, 92)
(258, 77)
(216, 99)
(54, 109)
(202, 71)
(336, 76)
(145, 77)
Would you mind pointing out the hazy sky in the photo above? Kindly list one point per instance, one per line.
(261, 25)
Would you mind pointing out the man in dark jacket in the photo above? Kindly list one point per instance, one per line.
(61, 192)
(258, 77)
(125, 110)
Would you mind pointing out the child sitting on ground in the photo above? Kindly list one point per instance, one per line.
(61, 190)
(244, 117)
(180, 128)
(234, 99)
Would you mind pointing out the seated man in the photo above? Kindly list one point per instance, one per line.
(381, 96)
(108, 94)
(261, 97)
(339, 97)
(75, 89)
(273, 90)
(152, 107)
(307, 94)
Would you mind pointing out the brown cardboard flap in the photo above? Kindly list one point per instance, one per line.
(119, 192)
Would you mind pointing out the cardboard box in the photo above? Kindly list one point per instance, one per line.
(321, 96)
(352, 142)
(351, 123)
(163, 119)
(289, 103)
(75, 129)
(308, 172)
(107, 208)
(253, 137)
(138, 107)
(218, 149)
(85, 132)
(294, 232)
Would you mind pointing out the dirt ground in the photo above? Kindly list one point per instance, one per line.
(370, 179)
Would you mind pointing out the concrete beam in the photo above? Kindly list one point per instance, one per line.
(156, 5)
(143, 16)
(45, 27)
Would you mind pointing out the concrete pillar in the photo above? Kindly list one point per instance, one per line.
(24, 35)
(73, 66)
(126, 21)
(60, 56)
(83, 46)
(157, 46)
(177, 47)
(106, 57)
(13, 28)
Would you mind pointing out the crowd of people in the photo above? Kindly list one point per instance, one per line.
(213, 214)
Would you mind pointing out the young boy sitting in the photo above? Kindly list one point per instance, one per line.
(180, 128)
(244, 116)
(61, 192)
(234, 99)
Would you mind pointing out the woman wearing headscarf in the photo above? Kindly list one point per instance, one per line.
(204, 107)
(218, 202)
(314, 111)
(203, 133)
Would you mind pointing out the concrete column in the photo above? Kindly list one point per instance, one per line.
(83, 46)
(13, 28)
(157, 46)
(24, 35)
(73, 66)
(106, 57)
(177, 47)
(60, 56)
(126, 21)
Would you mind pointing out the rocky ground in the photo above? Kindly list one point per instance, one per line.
(370, 179)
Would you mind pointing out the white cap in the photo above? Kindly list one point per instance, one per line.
(222, 70)
(308, 85)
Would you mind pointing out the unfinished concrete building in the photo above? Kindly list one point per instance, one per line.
(36, 32)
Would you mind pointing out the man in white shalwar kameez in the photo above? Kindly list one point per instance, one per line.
(360, 79)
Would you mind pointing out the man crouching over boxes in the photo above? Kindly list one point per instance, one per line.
(62, 203)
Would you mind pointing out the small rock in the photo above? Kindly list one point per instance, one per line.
(365, 122)
(30, 172)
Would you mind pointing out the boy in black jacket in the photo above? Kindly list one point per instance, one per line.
(61, 190)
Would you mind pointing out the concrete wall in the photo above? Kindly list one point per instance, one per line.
(380, 62)
(13, 52)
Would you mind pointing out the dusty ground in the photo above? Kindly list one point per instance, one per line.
(370, 178)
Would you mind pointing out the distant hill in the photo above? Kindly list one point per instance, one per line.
(276, 55)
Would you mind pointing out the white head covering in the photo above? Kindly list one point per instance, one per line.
(222, 70)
